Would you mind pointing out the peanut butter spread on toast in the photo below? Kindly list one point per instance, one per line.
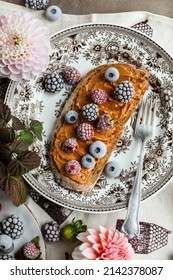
(119, 111)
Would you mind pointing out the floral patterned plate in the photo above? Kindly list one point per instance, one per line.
(85, 47)
(31, 228)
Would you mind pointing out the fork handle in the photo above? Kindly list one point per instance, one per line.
(131, 223)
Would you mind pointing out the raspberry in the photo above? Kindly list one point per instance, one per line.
(124, 91)
(73, 167)
(51, 231)
(71, 75)
(99, 96)
(70, 145)
(30, 251)
(105, 122)
(85, 131)
(90, 111)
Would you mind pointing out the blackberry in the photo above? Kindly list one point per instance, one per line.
(51, 231)
(12, 227)
(124, 91)
(90, 111)
(6, 257)
(36, 4)
(53, 82)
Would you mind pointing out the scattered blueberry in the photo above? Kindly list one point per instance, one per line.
(112, 74)
(98, 149)
(112, 169)
(6, 244)
(71, 117)
(53, 13)
(87, 161)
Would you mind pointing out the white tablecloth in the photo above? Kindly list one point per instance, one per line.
(157, 209)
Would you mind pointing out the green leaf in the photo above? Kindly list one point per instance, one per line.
(27, 136)
(5, 154)
(19, 146)
(3, 173)
(37, 128)
(17, 190)
(7, 134)
(5, 113)
(17, 124)
(23, 163)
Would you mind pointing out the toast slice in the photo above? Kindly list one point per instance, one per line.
(119, 111)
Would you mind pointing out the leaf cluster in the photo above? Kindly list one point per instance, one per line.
(15, 157)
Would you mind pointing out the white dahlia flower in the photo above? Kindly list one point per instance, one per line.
(24, 46)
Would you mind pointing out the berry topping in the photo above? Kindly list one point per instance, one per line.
(51, 231)
(53, 13)
(73, 167)
(88, 161)
(36, 4)
(12, 227)
(124, 91)
(112, 74)
(99, 96)
(71, 75)
(6, 244)
(70, 145)
(90, 111)
(105, 122)
(85, 132)
(53, 82)
(6, 257)
(98, 149)
(30, 251)
(112, 169)
(71, 117)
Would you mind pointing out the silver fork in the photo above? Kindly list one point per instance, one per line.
(144, 130)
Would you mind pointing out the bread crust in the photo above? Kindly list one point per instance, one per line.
(68, 181)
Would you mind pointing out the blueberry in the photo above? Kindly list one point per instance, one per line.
(6, 244)
(53, 13)
(88, 161)
(112, 74)
(112, 169)
(98, 149)
(71, 117)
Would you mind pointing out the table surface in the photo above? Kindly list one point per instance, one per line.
(163, 7)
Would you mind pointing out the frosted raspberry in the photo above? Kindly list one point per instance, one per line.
(71, 75)
(85, 132)
(73, 167)
(30, 251)
(105, 122)
(99, 96)
(70, 145)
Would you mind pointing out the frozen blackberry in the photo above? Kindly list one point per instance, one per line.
(90, 111)
(6, 257)
(12, 227)
(53, 82)
(51, 231)
(36, 4)
(124, 91)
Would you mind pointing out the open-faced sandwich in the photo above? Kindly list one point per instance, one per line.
(92, 122)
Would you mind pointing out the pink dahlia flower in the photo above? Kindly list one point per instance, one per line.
(24, 46)
(103, 244)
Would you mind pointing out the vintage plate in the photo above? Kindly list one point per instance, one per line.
(31, 228)
(85, 47)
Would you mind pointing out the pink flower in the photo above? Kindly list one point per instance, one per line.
(24, 46)
(103, 244)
